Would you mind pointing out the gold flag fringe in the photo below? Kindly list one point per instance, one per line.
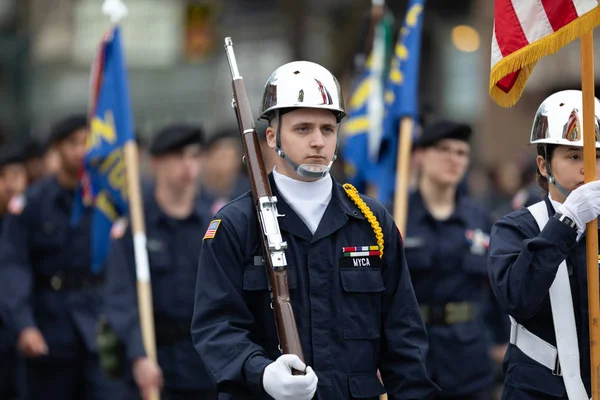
(526, 57)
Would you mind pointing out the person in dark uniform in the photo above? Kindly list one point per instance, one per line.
(13, 181)
(537, 262)
(223, 178)
(447, 236)
(34, 157)
(355, 309)
(51, 298)
(175, 221)
(531, 192)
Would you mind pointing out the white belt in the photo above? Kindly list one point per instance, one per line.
(534, 347)
(563, 317)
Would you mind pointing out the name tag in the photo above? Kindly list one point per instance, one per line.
(360, 257)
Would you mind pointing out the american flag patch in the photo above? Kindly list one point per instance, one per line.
(212, 229)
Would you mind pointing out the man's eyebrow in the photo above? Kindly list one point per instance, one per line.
(328, 125)
(303, 123)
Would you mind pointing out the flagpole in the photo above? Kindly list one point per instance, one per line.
(403, 173)
(117, 10)
(138, 228)
(589, 159)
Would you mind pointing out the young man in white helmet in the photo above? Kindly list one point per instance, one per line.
(537, 262)
(356, 313)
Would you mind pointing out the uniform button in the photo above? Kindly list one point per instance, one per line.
(56, 283)
(49, 227)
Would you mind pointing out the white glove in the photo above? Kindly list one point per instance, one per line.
(280, 384)
(582, 205)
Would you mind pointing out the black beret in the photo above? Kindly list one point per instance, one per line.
(443, 130)
(66, 127)
(221, 135)
(33, 148)
(175, 137)
(11, 155)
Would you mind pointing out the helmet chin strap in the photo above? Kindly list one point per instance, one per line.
(314, 171)
(558, 186)
(551, 179)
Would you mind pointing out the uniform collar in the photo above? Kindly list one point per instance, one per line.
(340, 209)
(553, 204)
(420, 211)
(59, 195)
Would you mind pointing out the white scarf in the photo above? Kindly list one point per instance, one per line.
(308, 199)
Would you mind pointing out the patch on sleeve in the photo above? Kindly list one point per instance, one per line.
(17, 204)
(212, 229)
(478, 241)
(119, 227)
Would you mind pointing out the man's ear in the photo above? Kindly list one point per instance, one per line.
(271, 135)
(541, 163)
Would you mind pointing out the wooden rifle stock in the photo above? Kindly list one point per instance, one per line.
(266, 209)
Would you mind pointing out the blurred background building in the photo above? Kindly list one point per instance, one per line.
(178, 70)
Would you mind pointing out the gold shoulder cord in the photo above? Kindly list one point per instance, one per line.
(366, 211)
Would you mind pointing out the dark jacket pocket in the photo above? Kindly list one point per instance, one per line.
(365, 386)
(361, 302)
(535, 379)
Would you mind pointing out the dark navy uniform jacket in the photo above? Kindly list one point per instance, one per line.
(7, 336)
(39, 243)
(173, 251)
(353, 315)
(8, 353)
(447, 263)
(522, 266)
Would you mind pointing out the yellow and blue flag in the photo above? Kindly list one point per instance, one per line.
(103, 176)
(363, 130)
(356, 131)
(401, 97)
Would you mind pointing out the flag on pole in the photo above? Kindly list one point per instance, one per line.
(401, 97)
(356, 130)
(103, 176)
(526, 31)
(363, 130)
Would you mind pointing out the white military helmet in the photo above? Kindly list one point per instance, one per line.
(302, 84)
(559, 120)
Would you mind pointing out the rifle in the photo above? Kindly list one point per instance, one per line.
(266, 208)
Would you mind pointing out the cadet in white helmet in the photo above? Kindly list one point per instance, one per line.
(537, 262)
(351, 293)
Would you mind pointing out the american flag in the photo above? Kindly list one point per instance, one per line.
(212, 229)
(527, 30)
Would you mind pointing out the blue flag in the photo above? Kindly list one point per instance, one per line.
(363, 130)
(356, 130)
(401, 96)
(104, 179)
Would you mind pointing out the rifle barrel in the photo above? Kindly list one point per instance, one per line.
(235, 73)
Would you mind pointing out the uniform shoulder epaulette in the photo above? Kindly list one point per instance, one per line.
(39, 189)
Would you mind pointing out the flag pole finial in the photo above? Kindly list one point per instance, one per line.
(116, 10)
